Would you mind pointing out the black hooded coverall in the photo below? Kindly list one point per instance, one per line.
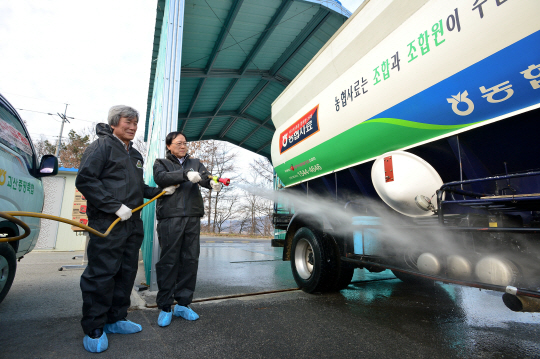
(108, 177)
(179, 227)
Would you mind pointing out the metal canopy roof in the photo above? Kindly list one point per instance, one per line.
(237, 57)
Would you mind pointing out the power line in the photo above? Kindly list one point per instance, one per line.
(53, 114)
(44, 135)
(35, 98)
(22, 109)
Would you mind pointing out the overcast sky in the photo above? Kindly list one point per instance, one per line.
(88, 54)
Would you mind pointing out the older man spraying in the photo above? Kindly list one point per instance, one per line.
(111, 179)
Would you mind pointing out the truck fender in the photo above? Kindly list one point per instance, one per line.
(13, 230)
(300, 220)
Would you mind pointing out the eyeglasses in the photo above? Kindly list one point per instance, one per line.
(179, 144)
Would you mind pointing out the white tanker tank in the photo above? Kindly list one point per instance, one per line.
(399, 74)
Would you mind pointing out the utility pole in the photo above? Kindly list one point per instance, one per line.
(64, 119)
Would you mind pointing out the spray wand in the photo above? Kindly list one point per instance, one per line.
(10, 216)
(225, 181)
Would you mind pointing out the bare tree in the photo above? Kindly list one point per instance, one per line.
(90, 132)
(140, 145)
(257, 211)
(250, 211)
(225, 212)
(220, 160)
(243, 222)
(263, 169)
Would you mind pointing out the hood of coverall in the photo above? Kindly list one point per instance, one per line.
(103, 129)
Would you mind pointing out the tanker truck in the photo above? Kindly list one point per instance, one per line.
(410, 143)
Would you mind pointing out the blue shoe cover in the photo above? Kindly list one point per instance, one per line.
(96, 345)
(122, 327)
(185, 312)
(164, 318)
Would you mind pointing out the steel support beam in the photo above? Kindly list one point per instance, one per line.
(224, 97)
(207, 115)
(227, 25)
(255, 130)
(278, 16)
(307, 32)
(191, 72)
(263, 146)
(245, 105)
(194, 99)
(280, 12)
(233, 12)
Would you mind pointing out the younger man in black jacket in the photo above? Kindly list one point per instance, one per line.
(179, 227)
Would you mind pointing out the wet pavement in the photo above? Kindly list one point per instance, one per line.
(377, 315)
(236, 266)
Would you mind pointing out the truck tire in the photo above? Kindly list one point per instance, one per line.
(8, 266)
(313, 263)
(345, 276)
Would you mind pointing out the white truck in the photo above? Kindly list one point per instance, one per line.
(420, 118)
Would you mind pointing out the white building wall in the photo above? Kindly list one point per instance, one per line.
(66, 239)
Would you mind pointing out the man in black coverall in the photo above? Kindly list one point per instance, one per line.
(111, 179)
(179, 227)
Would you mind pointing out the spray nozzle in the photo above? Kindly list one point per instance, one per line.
(424, 203)
(225, 181)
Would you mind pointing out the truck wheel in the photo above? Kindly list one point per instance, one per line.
(8, 265)
(345, 276)
(313, 263)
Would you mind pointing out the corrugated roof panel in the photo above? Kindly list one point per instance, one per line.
(310, 48)
(209, 98)
(261, 108)
(260, 137)
(239, 94)
(289, 24)
(261, 111)
(332, 25)
(296, 18)
(249, 25)
(193, 128)
(246, 129)
(216, 126)
(201, 28)
(265, 151)
(240, 129)
(187, 87)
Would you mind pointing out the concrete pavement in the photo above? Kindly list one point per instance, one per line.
(377, 316)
